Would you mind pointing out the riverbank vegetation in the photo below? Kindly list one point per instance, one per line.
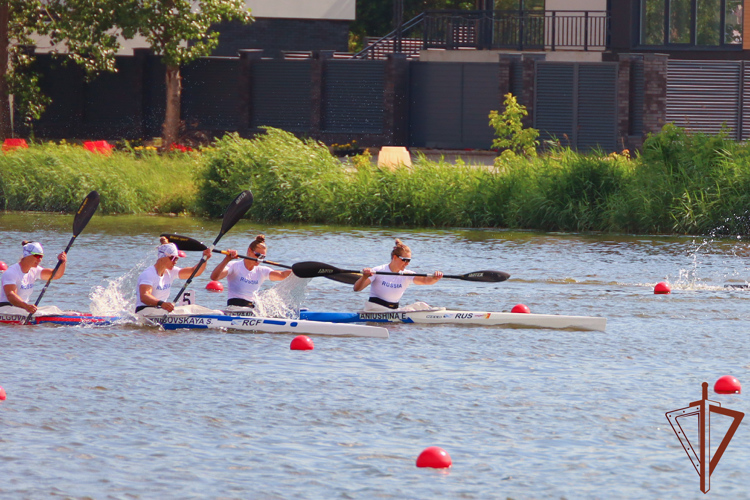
(681, 183)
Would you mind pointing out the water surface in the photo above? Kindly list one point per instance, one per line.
(127, 412)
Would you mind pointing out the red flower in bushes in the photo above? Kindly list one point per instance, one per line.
(180, 148)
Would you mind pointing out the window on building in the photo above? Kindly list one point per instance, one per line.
(520, 4)
(702, 23)
(733, 21)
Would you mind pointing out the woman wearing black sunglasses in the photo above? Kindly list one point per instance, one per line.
(155, 283)
(245, 277)
(386, 291)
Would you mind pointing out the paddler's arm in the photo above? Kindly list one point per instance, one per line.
(185, 272)
(151, 301)
(15, 300)
(279, 275)
(46, 273)
(364, 281)
(219, 273)
(428, 280)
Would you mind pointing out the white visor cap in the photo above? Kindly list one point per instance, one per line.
(32, 248)
(167, 250)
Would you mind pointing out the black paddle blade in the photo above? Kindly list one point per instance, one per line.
(85, 212)
(185, 243)
(347, 279)
(314, 269)
(486, 276)
(236, 210)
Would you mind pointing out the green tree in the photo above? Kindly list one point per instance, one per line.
(79, 27)
(179, 31)
(511, 136)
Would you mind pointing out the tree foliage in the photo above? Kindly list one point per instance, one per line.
(179, 31)
(511, 136)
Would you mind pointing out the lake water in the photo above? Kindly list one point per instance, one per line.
(130, 412)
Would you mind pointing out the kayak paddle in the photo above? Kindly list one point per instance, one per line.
(314, 269)
(235, 211)
(82, 217)
(188, 244)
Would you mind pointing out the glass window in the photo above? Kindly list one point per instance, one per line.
(733, 22)
(652, 29)
(679, 21)
(709, 22)
(507, 4)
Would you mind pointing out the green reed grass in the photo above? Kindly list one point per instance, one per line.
(56, 178)
(686, 183)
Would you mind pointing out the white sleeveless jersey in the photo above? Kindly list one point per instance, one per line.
(389, 288)
(244, 284)
(161, 286)
(24, 282)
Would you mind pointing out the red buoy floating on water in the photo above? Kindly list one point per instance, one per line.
(728, 385)
(3, 266)
(2, 394)
(662, 288)
(181, 254)
(214, 286)
(302, 343)
(434, 457)
(520, 308)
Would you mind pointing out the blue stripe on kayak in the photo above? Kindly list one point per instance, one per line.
(272, 322)
(331, 317)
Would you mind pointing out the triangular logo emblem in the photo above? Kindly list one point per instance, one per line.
(683, 419)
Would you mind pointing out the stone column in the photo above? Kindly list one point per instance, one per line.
(317, 75)
(655, 92)
(528, 65)
(506, 74)
(248, 58)
(624, 98)
(396, 101)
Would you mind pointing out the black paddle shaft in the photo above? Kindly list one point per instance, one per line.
(314, 269)
(235, 211)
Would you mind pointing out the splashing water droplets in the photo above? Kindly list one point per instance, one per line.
(283, 300)
(117, 295)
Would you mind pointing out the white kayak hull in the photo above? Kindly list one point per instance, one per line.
(194, 317)
(443, 316)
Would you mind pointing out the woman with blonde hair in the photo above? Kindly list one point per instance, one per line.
(386, 290)
(245, 277)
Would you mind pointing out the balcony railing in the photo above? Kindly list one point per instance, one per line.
(520, 30)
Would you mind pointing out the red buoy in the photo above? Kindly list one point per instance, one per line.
(302, 343)
(3, 266)
(520, 308)
(2, 394)
(662, 288)
(214, 286)
(434, 457)
(181, 254)
(728, 385)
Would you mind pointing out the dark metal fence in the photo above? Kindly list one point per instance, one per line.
(522, 30)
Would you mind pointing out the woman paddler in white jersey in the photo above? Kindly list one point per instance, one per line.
(244, 277)
(386, 291)
(155, 283)
(17, 282)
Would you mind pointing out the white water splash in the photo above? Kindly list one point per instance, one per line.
(117, 296)
(284, 299)
(712, 266)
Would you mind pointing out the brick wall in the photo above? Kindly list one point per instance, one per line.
(276, 35)
(655, 95)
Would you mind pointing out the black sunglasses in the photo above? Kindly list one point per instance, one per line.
(405, 259)
(260, 256)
